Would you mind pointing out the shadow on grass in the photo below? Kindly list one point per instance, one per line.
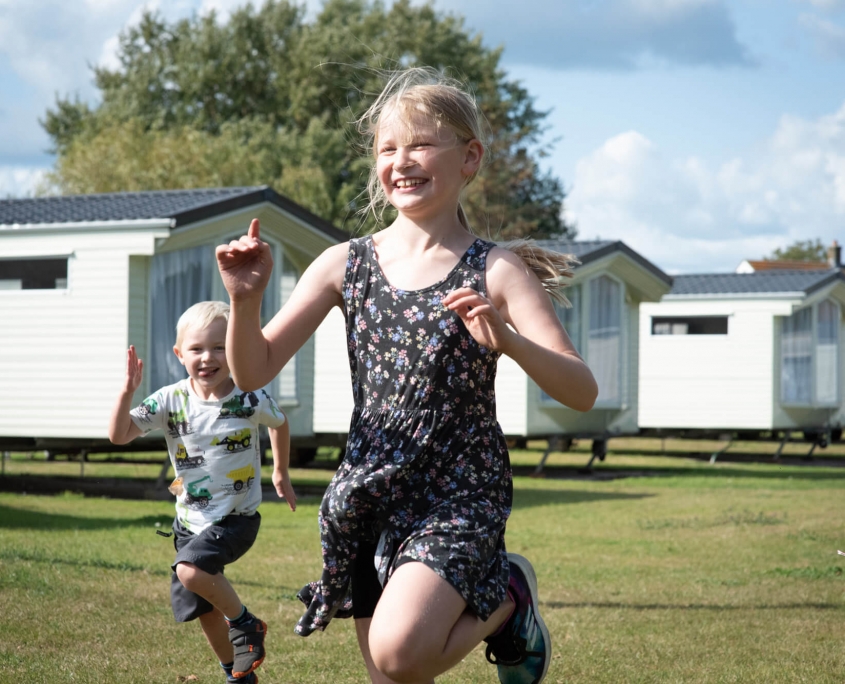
(613, 605)
(606, 472)
(526, 498)
(22, 519)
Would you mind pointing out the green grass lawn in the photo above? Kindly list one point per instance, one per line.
(682, 571)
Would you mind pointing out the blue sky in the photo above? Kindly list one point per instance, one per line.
(699, 132)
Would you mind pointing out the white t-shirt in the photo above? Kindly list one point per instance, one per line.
(213, 446)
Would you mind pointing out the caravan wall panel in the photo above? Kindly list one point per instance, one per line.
(62, 352)
(707, 381)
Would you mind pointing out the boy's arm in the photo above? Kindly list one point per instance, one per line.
(122, 428)
(280, 446)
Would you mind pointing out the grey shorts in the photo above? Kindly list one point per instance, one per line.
(211, 550)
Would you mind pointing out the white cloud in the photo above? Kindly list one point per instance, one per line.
(828, 37)
(19, 181)
(687, 217)
(607, 34)
(826, 4)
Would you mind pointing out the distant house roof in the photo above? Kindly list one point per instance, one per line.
(181, 206)
(760, 283)
(754, 265)
(592, 250)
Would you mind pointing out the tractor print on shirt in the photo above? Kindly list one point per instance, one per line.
(240, 477)
(237, 407)
(237, 441)
(147, 408)
(184, 461)
(197, 497)
(177, 423)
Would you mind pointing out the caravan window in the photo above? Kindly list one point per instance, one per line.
(33, 274)
(288, 277)
(594, 324)
(809, 355)
(604, 338)
(570, 317)
(689, 325)
(827, 352)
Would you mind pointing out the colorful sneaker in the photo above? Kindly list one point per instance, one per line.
(251, 678)
(248, 639)
(522, 649)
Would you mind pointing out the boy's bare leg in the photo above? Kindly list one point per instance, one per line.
(421, 627)
(362, 629)
(213, 588)
(216, 630)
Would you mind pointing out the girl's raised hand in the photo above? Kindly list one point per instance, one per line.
(482, 320)
(134, 371)
(245, 264)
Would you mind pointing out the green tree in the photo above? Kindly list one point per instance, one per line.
(801, 250)
(270, 97)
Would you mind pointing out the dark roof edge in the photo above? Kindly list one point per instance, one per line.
(619, 246)
(263, 193)
(834, 275)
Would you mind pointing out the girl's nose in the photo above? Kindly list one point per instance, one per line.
(403, 159)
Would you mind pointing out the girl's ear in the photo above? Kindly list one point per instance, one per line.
(472, 157)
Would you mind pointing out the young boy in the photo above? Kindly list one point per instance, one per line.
(211, 429)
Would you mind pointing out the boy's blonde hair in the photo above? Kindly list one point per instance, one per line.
(200, 316)
(424, 94)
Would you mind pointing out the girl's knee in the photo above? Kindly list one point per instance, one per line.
(399, 657)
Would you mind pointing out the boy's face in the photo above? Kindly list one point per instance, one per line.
(203, 353)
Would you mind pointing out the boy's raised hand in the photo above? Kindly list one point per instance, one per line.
(134, 371)
(245, 264)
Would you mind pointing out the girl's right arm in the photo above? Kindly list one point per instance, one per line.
(122, 428)
(256, 356)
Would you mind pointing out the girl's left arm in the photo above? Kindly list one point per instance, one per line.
(518, 319)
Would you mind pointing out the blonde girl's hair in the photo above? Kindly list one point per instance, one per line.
(200, 316)
(424, 95)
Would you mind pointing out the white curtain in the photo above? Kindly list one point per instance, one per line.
(604, 338)
(570, 317)
(287, 281)
(827, 352)
(797, 357)
(177, 280)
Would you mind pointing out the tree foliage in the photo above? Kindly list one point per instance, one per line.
(271, 97)
(801, 250)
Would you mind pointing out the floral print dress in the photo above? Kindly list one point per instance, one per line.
(426, 471)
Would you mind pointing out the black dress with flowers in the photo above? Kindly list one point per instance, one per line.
(426, 471)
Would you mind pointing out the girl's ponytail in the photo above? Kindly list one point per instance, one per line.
(555, 270)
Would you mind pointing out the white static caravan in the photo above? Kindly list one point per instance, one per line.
(745, 353)
(609, 285)
(83, 277)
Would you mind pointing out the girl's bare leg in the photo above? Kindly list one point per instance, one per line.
(362, 629)
(421, 627)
